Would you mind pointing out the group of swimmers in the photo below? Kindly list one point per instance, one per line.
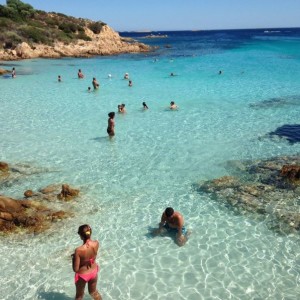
(84, 257)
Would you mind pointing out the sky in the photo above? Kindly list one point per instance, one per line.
(159, 15)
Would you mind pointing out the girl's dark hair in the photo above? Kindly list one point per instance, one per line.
(111, 114)
(85, 231)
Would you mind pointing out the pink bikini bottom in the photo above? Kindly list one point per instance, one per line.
(87, 276)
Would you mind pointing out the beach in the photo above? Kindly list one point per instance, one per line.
(154, 161)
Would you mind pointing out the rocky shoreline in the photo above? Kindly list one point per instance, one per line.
(267, 188)
(107, 42)
(35, 212)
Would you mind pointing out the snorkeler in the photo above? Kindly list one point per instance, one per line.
(84, 264)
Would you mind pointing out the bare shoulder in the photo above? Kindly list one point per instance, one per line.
(96, 244)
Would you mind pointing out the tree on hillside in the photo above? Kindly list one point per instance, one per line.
(17, 10)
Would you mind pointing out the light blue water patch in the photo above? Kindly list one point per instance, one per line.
(151, 163)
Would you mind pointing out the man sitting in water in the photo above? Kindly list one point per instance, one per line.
(172, 221)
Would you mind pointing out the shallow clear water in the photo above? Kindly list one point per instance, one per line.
(152, 163)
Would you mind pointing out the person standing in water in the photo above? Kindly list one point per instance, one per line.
(111, 124)
(95, 83)
(80, 74)
(84, 264)
(145, 106)
(13, 73)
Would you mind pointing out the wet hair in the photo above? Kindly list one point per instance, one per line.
(123, 105)
(172, 103)
(111, 114)
(79, 70)
(169, 211)
(85, 231)
(145, 105)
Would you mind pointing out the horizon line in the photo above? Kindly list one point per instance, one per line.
(254, 28)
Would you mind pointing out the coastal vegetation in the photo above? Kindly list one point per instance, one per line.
(30, 33)
(20, 22)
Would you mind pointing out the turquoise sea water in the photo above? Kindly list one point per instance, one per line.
(153, 162)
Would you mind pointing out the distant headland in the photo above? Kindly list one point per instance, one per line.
(30, 33)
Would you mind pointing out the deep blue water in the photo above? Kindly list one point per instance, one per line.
(189, 43)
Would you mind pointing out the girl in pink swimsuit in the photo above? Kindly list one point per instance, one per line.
(84, 264)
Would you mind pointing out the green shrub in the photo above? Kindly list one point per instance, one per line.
(6, 23)
(35, 35)
(52, 22)
(96, 27)
(10, 39)
(83, 36)
(68, 27)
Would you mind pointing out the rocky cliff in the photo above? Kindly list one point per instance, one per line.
(107, 42)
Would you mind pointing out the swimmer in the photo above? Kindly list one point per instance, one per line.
(172, 74)
(59, 78)
(220, 72)
(172, 221)
(173, 106)
(130, 83)
(89, 89)
(119, 108)
(13, 73)
(80, 74)
(84, 264)
(123, 109)
(145, 106)
(126, 76)
(95, 83)
(111, 124)
(109, 76)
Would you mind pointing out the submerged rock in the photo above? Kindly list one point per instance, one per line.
(30, 215)
(33, 213)
(4, 166)
(277, 102)
(269, 188)
(67, 193)
(289, 132)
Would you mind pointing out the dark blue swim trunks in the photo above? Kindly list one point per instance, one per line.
(175, 230)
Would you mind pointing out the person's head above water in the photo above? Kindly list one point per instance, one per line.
(172, 102)
(169, 212)
(111, 114)
(85, 231)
